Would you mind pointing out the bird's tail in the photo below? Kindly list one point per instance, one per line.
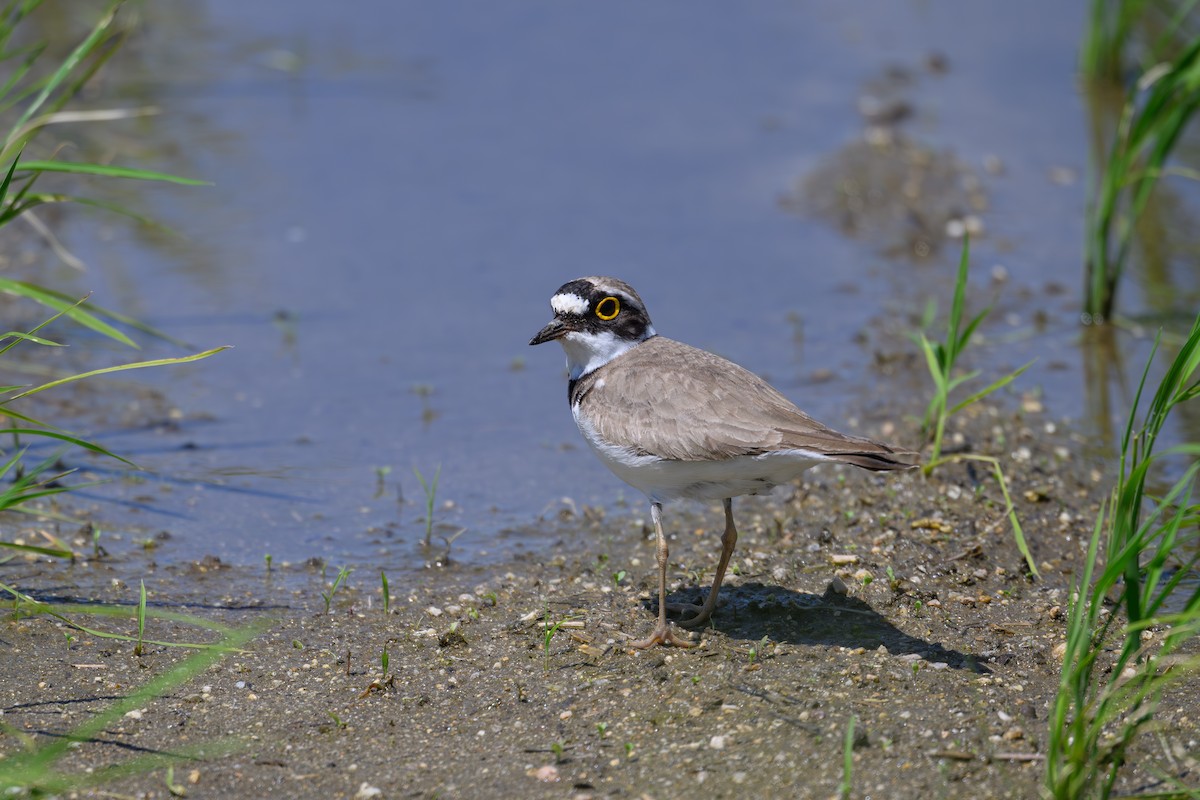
(879, 462)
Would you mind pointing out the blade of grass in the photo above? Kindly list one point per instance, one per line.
(68, 65)
(73, 309)
(64, 437)
(77, 168)
(44, 551)
(999, 383)
(86, 312)
(158, 362)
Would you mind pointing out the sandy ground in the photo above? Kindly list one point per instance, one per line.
(898, 601)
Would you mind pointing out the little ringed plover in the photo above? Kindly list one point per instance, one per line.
(677, 422)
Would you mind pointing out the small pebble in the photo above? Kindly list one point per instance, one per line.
(546, 774)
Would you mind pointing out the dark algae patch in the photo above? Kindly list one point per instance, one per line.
(900, 603)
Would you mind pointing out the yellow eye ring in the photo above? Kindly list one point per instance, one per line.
(608, 308)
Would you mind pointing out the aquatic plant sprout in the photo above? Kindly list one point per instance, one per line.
(1141, 551)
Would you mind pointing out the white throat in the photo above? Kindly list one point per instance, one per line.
(590, 351)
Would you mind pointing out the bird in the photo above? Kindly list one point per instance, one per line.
(675, 421)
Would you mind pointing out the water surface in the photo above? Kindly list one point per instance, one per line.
(397, 189)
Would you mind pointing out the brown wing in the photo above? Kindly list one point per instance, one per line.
(681, 403)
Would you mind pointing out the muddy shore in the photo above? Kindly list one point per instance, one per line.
(900, 602)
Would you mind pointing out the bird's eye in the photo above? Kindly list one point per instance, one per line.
(608, 308)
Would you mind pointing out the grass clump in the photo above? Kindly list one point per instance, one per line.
(40, 479)
(1155, 115)
(430, 490)
(1142, 549)
(1113, 27)
(941, 357)
(343, 573)
(35, 97)
(41, 100)
(1110, 26)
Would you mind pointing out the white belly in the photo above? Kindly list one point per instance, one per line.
(663, 480)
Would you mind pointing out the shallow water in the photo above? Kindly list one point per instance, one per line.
(397, 191)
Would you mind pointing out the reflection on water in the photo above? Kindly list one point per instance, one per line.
(904, 198)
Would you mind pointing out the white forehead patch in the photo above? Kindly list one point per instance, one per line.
(568, 303)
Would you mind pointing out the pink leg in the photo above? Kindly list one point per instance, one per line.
(662, 633)
(728, 540)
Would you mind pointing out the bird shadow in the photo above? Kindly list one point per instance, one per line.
(751, 611)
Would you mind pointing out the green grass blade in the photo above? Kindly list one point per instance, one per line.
(953, 340)
(991, 387)
(115, 208)
(53, 552)
(73, 309)
(31, 55)
(964, 338)
(158, 362)
(69, 439)
(25, 337)
(81, 51)
(109, 172)
(36, 766)
(61, 300)
(8, 176)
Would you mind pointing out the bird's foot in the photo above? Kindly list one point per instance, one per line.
(700, 614)
(662, 634)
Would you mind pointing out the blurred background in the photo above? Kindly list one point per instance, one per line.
(397, 188)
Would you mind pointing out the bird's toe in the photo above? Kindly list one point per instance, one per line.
(662, 634)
